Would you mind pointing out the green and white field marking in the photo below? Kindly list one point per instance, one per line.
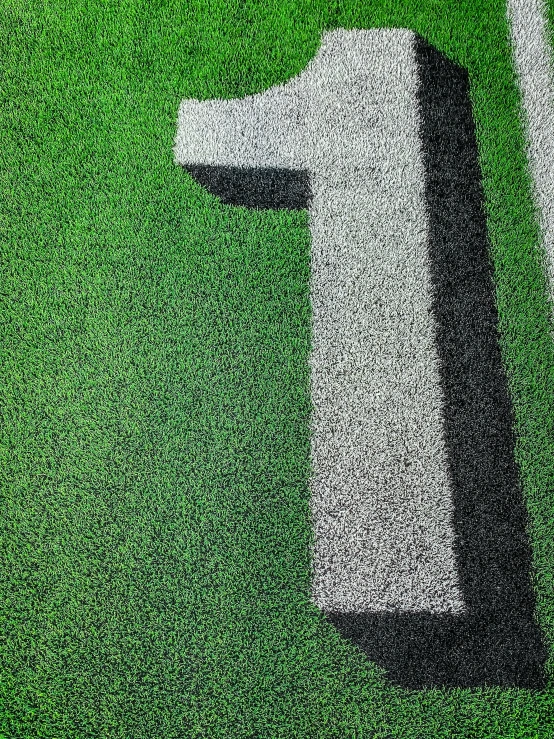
(156, 535)
(412, 444)
(381, 501)
(534, 62)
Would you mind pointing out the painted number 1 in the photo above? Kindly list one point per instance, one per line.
(420, 554)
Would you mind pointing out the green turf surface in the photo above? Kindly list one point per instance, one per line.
(155, 532)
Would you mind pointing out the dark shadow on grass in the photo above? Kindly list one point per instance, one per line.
(498, 642)
(264, 189)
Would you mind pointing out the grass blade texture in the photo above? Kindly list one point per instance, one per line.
(155, 528)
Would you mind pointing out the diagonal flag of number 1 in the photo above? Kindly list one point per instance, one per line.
(420, 554)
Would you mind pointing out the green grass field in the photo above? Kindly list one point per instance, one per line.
(155, 529)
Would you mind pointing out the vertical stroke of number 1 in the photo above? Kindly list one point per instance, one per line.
(343, 139)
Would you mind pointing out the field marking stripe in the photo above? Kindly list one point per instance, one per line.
(534, 66)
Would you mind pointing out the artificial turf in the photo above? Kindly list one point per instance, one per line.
(155, 530)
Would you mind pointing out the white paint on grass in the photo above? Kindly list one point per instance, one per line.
(381, 499)
(534, 65)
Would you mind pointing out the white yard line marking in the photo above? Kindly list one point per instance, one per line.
(533, 61)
